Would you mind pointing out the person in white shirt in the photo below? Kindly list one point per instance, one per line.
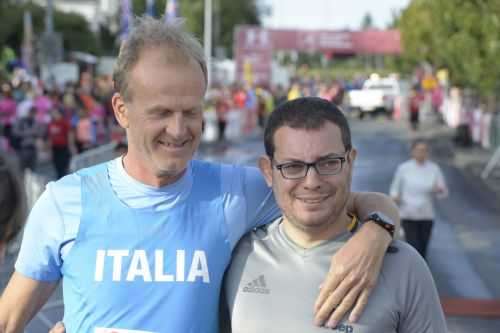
(415, 184)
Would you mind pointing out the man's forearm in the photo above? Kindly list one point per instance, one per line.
(364, 203)
(21, 300)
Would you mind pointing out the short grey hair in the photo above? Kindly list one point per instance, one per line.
(150, 32)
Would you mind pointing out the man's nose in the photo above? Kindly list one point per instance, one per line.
(177, 126)
(312, 178)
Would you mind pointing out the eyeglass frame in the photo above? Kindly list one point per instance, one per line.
(342, 160)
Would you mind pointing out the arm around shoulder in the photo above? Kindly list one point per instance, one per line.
(355, 267)
(363, 203)
(21, 300)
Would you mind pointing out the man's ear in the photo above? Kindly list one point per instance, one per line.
(351, 157)
(120, 110)
(266, 168)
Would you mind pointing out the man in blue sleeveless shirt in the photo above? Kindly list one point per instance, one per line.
(142, 241)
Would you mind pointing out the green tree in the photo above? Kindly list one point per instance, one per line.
(461, 35)
(227, 14)
(367, 22)
(74, 28)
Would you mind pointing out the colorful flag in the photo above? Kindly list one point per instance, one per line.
(126, 20)
(171, 10)
(150, 8)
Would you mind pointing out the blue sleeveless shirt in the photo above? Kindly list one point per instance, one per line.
(144, 270)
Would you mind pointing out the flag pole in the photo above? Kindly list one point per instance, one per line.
(207, 40)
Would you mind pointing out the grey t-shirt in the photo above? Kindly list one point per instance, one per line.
(272, 284)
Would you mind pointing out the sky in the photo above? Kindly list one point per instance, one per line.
(330, 14)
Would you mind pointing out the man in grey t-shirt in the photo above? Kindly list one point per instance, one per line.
(274, 269)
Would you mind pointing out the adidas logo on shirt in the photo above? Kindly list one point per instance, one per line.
(257, 286)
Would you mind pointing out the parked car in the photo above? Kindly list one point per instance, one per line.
(376, 95)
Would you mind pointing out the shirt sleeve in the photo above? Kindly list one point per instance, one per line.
(52, 222)
(248, 201)
(421, 308)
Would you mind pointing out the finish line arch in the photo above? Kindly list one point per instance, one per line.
(255, 45)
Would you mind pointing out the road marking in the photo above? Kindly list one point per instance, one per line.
(471, 307)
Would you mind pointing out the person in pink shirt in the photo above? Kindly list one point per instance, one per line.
(43, 105)
(8, 109)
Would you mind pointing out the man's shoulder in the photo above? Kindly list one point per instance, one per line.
(401, 256)
(232, 174)
(224, 166)
(260, 234)
(100, 168)
(66, 190)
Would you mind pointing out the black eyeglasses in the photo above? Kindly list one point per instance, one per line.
(324, 167)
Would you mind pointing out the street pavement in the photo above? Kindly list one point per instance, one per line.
(463, 257)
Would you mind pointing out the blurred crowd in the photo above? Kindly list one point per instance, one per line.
(42, 122)
(256, 102)
(46, 121)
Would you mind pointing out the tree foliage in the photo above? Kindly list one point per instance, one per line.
(77, 35)
(74, 28)
(461, 35)
(227, 14)
(367, 22)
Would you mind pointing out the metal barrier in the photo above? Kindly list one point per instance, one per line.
(93, 156)
(493, 162)
(34, 185)
(494, 142)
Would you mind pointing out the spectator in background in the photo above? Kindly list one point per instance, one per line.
(43, 104)
(29, 131)
(11, 204)
(415, 184)
(8, 109)
(84, 131)
(222, 104)
(280, 95)
(59, 133)
(415, 100)
(24, 106)
(294, 92)
(337, 93)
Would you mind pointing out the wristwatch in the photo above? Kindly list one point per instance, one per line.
(382, 220)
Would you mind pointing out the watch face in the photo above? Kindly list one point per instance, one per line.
(383, 221)
(382, 218)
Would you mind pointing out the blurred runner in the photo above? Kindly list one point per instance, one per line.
(415, 184)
